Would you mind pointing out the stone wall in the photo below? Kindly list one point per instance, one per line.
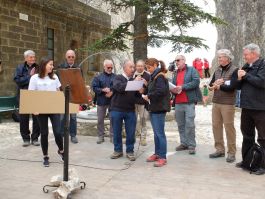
(23, 26)
(246, 24)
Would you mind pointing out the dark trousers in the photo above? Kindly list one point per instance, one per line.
(206, 73)
(44, 130)
(24, 128)
(251, 119)
(72, 125)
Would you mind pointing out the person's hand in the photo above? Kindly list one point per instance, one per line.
(176, 90)
(138, 78)
(145, 82)
(106, 90)
(32, 72)
(219, 81)
(241, 73)
(141, 90)
(109, 94)
(145, 97)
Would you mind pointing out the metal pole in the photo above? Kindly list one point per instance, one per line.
(66, 133)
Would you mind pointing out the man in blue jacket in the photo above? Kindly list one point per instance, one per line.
(102, 86)
(187, 94)
(22, 76)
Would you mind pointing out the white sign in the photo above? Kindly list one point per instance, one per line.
(24, 17)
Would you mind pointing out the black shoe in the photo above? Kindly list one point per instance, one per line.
(74, 140)
(100, 140)
(26, 143)
(35, 143)
(46, 162)
(217, 155)
(60, 154)
(239, 165)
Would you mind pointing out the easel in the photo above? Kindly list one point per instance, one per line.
(75, 92)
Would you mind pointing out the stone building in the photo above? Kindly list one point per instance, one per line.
(48, 27)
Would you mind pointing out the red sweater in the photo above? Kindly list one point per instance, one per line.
(182, 97)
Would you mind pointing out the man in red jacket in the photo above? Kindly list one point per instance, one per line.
(197, 64)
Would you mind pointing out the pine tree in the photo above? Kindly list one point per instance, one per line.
(155, 23)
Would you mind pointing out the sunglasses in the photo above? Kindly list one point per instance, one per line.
(71, 57)
(109, 68)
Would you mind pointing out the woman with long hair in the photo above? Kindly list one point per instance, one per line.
(158, 98)
(46, 80)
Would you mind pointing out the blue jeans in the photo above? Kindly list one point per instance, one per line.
(129, 119)
(185, 115)
(158, 125)
(72, 125)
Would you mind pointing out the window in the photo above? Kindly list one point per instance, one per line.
(50, 40)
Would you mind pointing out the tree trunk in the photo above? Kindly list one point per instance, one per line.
(245, 25)
(140, 32)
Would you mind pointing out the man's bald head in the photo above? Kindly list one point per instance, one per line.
(70, 56)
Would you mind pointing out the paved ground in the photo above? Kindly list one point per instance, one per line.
(185, 176)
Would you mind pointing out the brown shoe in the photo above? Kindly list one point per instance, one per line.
(217, 154)
(181, 148)
(230, 158)
(116, 155)
(130, 156)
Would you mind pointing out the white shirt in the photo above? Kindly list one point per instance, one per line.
(44, 84)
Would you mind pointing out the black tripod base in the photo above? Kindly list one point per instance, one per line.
(46, 187)
(46, 190)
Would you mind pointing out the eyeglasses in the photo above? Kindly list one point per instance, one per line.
(71, 57)
(109, 68)
(177, 60)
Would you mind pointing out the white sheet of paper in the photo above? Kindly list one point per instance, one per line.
(171, 86)
(134, 85)
(227, 82)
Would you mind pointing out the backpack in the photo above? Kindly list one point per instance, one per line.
(254, 160)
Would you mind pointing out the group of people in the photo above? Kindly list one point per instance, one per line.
(200, 65)
(250, 79)
(32, 76)
(155, 96)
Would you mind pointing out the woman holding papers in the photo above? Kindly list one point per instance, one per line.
(158, 98)
(46, 80)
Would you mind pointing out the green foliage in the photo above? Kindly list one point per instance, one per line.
(164, 17)
(115, 40)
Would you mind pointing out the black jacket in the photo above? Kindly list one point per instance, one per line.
(252, 86)
(99, 82)
(123, 101)
(22, 75)
(158, 93)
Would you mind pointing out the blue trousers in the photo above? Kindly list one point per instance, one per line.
(129, 119)
(158, 125)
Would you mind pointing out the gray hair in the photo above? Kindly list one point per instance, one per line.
(125, 63)
(107, 61)
(253, 48)
(226, 53)
(29, 53)
(182, 57)
(140, 61)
